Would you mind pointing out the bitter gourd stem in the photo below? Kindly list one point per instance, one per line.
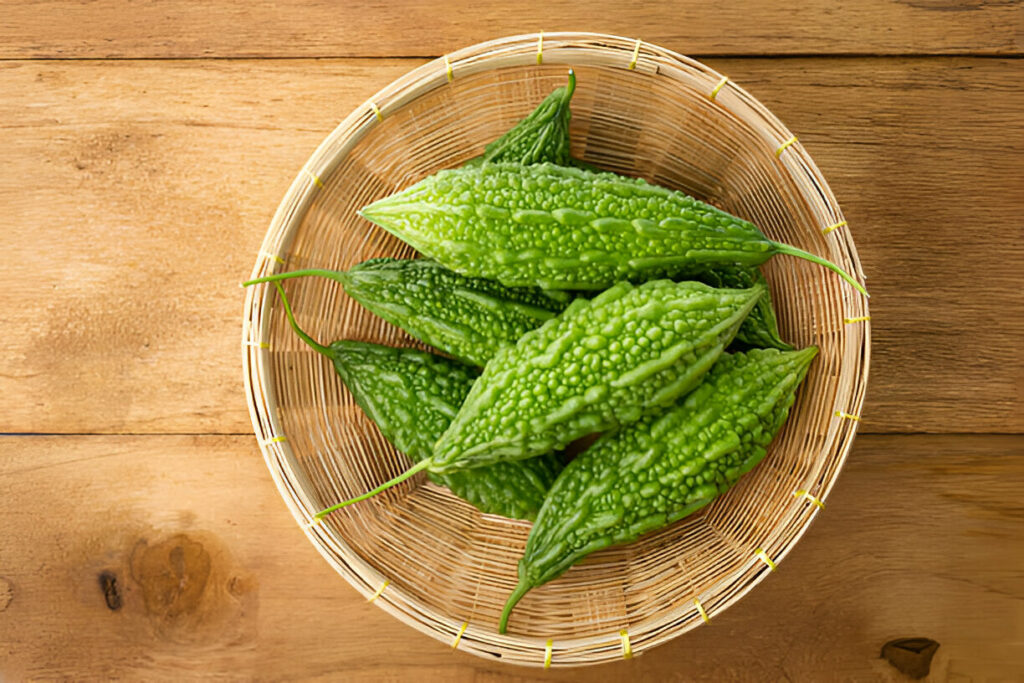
(336, 275)
(522, 588)
(807, 256)
(295, 326)
(421, 465)
(571, 88)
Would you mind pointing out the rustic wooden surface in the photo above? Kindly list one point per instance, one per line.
(367, 28)
(204, 572)
(144, 147)
(151, 184)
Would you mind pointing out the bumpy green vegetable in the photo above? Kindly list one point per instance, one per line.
(469, 318)
(569, 228)
(760, 330)
(604, 362)
(541, 136)
(412, 397)
(663, 467)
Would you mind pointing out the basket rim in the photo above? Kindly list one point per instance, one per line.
(571, 48)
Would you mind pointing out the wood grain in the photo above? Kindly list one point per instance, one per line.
(136, 195)
(364, 28)
(157, 557)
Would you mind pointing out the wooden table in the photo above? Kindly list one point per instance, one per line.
(143, 149)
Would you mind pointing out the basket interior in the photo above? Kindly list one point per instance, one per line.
(440, 555)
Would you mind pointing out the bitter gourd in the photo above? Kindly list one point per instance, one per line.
(541, 136)
(568, 228)
(663, 467)
(602, 363)
(468, 318)
(412, 397)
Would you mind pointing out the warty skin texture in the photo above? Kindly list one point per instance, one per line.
(564, 228)
(412, 396)
(603, 363)
(557, 227)
(665, 466)
(468, 318)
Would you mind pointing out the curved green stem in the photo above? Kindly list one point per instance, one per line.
(336, 275)
(521, 589)
(571, 88)
(295, 326)
(807, 256)
(421, 465)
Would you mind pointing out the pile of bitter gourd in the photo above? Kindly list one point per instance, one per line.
(518, 242)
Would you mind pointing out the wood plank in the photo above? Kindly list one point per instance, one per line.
(136, 196)
(364, 28)
(159, 556)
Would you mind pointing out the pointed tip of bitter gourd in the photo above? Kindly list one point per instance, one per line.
(809, 352)
(803, 359)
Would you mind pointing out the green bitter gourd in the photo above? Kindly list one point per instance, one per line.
(412, 397)
(602, 363)
(542, 136)
(664, 467)
(471, 318)
(468, 318)
(569, 228)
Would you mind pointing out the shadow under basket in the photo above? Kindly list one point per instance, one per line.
(417, 551)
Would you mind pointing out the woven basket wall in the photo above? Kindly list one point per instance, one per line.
(445, 568)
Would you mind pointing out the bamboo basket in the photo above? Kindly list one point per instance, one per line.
(423, 555)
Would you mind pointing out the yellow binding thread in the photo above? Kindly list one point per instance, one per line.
(814, 499)
(721, 84)
(783, 146)
(540, 47)
(316, 181)
(261, 345)
(448, 72)
(861, 319)
(273, 256)
(764, 557)
(547, 654)
(847, 416)
(376, 111)
(276, 439)
(458, 637)
(703, 612)
(627, 650)
(378, 591)
(825, 231)
(636, 55)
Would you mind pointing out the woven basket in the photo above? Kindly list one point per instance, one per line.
(422, 554)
